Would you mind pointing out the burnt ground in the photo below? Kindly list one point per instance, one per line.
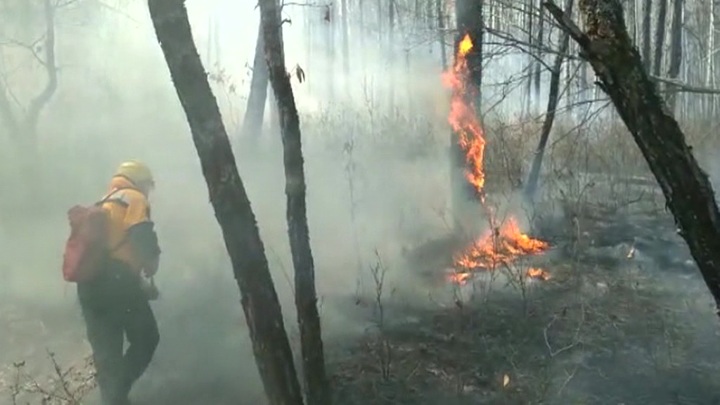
(625, 319)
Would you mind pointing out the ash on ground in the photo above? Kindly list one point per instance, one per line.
(623, 318)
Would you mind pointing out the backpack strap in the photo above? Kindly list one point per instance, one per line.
(108, 198)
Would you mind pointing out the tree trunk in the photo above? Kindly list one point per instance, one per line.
(441, 32)
(687, 189)
(390, 52)
(274, 124)
(22, 126)
(529, 103)
(230, 202)
(553, 97)
(345, 42)
(330, 52)
(676, 51)
(318, 387)
(538, 64)
(631, 14)
(660, 38)
(468, 15)
(709, 59)
(646, 27)
(255, 112)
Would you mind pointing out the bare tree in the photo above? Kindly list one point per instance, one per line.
(687, 189)
(660, 37)
(255, 112)
(230, 202)
(676, 50)
(441, 34)
(345, 38)
(539, 57)
(318, 387)
(646, 33)
(553, 98)
(710, 56)
(329, 20)
(22, 127)
(532, 51)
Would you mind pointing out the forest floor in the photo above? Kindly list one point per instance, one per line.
(624, 319)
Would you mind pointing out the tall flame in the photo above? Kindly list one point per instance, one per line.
(503, 244)
(463, 116)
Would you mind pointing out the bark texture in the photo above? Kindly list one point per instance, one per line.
(230, 202)
(318, 387)
(687, 189)
(469, 20)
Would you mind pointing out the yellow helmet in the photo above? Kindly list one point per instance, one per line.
(137, 172)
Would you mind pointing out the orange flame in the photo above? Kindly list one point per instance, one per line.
(463, 116)
(507, 242)
(540, 274)
(500, 247)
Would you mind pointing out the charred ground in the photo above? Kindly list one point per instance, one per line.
(623, 319)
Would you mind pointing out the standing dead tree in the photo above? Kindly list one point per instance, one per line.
(676, 51)
(318, 387)
(619, 68)
(553, 99)
(255, 112)
(230, 201)
(22, 128)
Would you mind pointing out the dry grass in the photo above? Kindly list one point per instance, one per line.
(556, 347)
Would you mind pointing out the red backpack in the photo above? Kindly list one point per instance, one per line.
(86, 248)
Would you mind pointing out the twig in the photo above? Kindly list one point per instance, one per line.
(575, 341)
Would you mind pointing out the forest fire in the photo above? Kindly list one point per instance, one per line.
(502, 244)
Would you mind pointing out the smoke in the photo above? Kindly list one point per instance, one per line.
(377, 178)
(116, 102)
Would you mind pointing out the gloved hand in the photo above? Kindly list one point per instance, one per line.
(151, 291)
(151, 268)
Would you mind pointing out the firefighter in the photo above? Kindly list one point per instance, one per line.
(115, 304)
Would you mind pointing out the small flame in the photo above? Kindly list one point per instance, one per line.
(501, 247)
(538, 273)
(465, 45)
(459, 277)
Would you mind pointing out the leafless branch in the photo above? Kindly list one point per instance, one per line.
(576, 336)
(40, 101)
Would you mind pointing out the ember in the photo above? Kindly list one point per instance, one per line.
(504, 243)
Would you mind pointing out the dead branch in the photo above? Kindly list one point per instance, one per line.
(524, 45)
(40, 101)
(576, 336)
(28, 124)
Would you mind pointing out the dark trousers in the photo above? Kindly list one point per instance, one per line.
(114, 307)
